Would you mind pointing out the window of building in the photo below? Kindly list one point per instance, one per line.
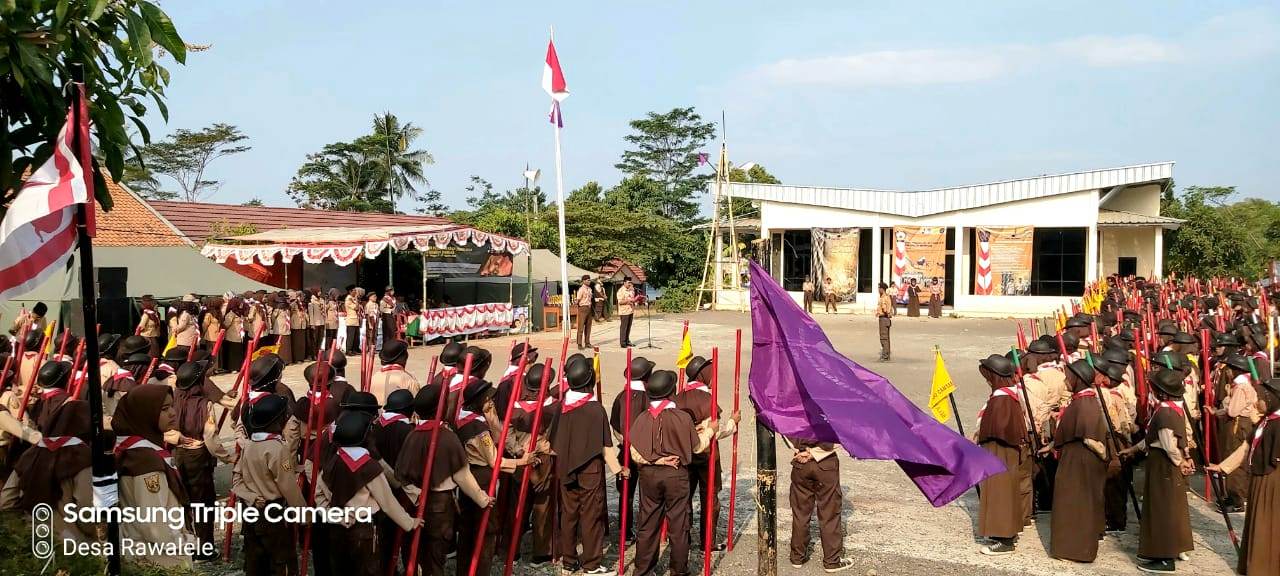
(864, 261)
(1058, 261)
(1127, 266)
(797, 259)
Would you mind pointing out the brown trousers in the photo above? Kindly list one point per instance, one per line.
(885, 324)
(353, 550)
(538, 502)
(269, 548)
(808, 302)
(698, 491)
(582, 497)
(664, 493)
(584, 326)
(195, 468)
(829, 302)
(816, 484)
(629, 499)
(469, 529)
(437, 538)
(315, 335)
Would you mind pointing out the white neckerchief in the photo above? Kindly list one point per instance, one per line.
(510, 370)
(574, 397)
(260, 436)
(637, 385)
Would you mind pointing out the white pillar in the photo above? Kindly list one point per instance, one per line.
(876, 276)
(1158, 257)
(960, 285)
(1091, 255)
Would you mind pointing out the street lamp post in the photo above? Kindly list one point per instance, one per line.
(530, 177)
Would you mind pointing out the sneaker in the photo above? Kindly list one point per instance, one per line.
(800, 563)
(1183, 556)
(997, 549)
(1157, 566)
(844, 564)
(599, 570)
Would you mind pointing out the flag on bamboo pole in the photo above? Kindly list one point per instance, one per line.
(941, 391)
(686, 351)
(553, 84)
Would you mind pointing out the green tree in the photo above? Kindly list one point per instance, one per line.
(138, 178)
(185, 156)
(116, 42)
(341, 176)
(589, 192)
(402, 168)
(1208, 243)
(636, 193)
(756, 175)
(253, 202)
(665, 150)
(430, 203)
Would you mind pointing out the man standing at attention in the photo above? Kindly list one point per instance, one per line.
(808, 295)
(884, 315)
(626, 310)
(583, 300)
(828, 296)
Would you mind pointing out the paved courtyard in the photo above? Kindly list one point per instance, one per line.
(890, 527)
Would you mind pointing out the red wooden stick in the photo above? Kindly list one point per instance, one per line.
(315, 421)
(217, 344)
(524, 479)
(426, 467)
(707, 513)
(77, 379)
(31, 382)
(18, 352)
(626, 465)
(242, 382)
(497, 467)
(1206, 411)
(62, 346)
(395, 548)
(737, 380)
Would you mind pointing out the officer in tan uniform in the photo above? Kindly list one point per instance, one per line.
(884, 315)
(316, 309)
(351, 307)
(392, 376)
(266, 474)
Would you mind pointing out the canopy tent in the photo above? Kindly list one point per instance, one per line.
(345, 245)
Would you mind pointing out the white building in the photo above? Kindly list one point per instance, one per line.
(1087, 225)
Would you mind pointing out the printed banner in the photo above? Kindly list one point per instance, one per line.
(835, 254)
(1003, 266)
(920, 254)
(459, 320)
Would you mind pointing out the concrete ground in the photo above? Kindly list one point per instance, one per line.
(890, 527)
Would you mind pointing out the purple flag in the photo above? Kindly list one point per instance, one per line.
(803, 388)
(546, 294)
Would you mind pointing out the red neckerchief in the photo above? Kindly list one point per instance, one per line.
(457, 382)
(1086, 393)
(656, 408)
(132, 442)
(50, 393)
(53, 443)
(512, 369)
(386, 419)
(427, 425)
(1257, 434)
(353, 457)
(695, 385)
(531, 405)
(571, 406)
(467, 417)
(1004, 391)
(1170, 404)
(264, 436)
(392, 368)
(255, 396)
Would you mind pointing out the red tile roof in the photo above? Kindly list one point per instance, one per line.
(131, 223)
(613, 264)
(195, 219)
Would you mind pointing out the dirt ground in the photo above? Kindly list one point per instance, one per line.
(890, 527)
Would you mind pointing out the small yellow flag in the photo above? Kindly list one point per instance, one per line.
(941, 390)
(686, 351)
(48, 336)
(173, 342)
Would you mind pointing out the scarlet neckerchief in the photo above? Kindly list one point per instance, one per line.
(354, 457)
(255, 396)
(1171, 405)
(512, 369)
(657, 406)
(392, 368)
(264, 436)
(466, 417)
(456, 382)
(695, 385)
(50, 393)
(1262, 427)
(574, 400)
(120, 372)
(389, 417)
(136, 442)
(53, 443)
(531, 405)
(162, 367)
(1003, 391)
(427, 425)
(1086, 393)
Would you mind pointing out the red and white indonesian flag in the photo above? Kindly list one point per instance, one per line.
(553, 83)
(38, 232)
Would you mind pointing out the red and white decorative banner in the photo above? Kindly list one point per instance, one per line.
(1003, 266)
(920, 254)
(345, 253)
(459, 320)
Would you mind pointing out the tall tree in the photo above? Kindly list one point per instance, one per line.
(402, 168)
(665, 150)
(116, 42)
(341, 176)
(756, 175)
(1209, 242)
(138, 178)
(185, 156)
(589, 192)
(430, 203)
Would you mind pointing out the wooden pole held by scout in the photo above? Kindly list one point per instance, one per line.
(1113, 443)
(517, 528)
(623, 500)
(434, 426)
(30, 384)
(497, 465)
(733, 476)
(242, 384)
(315, 422)
(708, 511)
(767, 508)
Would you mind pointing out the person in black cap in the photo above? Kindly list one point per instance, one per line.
(1236, 419)
(1166, 330)
(34, 321)
(392, 376)
(1261, 457)
(452, 357)
(541, 490)
(1166, 521)
(663, 442)
(1082, 470)
(264, 379)
(510, 380)
(641, 370)
(1072, 344)
(1079, 326)
(387, 436)
(352, 478)
(1115, 491)
(264, 474)
(200, 448)
(695, 399)
(1002, 431)
(583, 446)
(448, 471)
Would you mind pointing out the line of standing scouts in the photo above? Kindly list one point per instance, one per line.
(1073, 414)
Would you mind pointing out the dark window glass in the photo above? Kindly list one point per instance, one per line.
(797, 258)
(1058, 261)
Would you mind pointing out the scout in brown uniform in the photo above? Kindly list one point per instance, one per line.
(353, 478)
(540, 498)
(449, 471)
(299, 333)
(394, 355)
(352, 319)
(1236, 420)
(200, 448)
(233, 342)
(663, 441)
(815, 484)
(316, 309)
(1002, 431)
(185, 328)
(1166, 521)
(1260, 547)
(583, 447)
(281, 326)
(265, 475)
(508, 492)
(1120, 471)
(695, 399)
(510, 380)
(884, 315)
(148, 477)
(387, 436)
(1082, 470)
(211, 322)
(331, 308)
(149, 325)
(387, 313)
(371, 320)
(641, 370)
(34, 321)
(583, 299)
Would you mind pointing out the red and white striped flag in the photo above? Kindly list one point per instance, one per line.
(38, 232)
(553, 83)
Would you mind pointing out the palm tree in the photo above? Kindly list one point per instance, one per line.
(401, 168)
(342, 176)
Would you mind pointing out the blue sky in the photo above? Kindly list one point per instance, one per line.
(859, 94)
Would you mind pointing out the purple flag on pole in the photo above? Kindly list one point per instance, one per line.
(803, 388)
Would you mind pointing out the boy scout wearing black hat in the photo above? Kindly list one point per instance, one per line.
(200, 447)
(265, 474)
(1115, 490)
(583, 446)
(695, 399)
(1077, 520)
(353, 478)
(389, 431)
(540, 498)
(663, 441)
(1236, 424)
(392, 376)
(641, 370)
(1002, 431)
(1262, 459)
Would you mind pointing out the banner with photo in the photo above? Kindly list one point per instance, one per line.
(1003, 263)
(920, 254)
(835, 255)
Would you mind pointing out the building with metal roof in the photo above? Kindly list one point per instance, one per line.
(1012, 247)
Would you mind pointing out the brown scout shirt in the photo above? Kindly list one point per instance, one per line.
(266, 470)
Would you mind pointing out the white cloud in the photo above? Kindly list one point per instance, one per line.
(1108, 51)
(888, 68)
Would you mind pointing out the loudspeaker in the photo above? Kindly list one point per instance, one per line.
(113, 282)
(116, 315)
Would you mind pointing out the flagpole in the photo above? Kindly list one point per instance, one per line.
(564, 253)
(103, 463)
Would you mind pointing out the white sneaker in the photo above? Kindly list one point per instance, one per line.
(844, 564)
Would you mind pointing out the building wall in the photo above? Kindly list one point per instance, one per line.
(1137, 242)
(1137, 199)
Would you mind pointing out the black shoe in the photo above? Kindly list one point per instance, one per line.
(799, 563)
(540, 560)
(997, 548)
(210, 557)
(1157, 566)
(844, 564)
